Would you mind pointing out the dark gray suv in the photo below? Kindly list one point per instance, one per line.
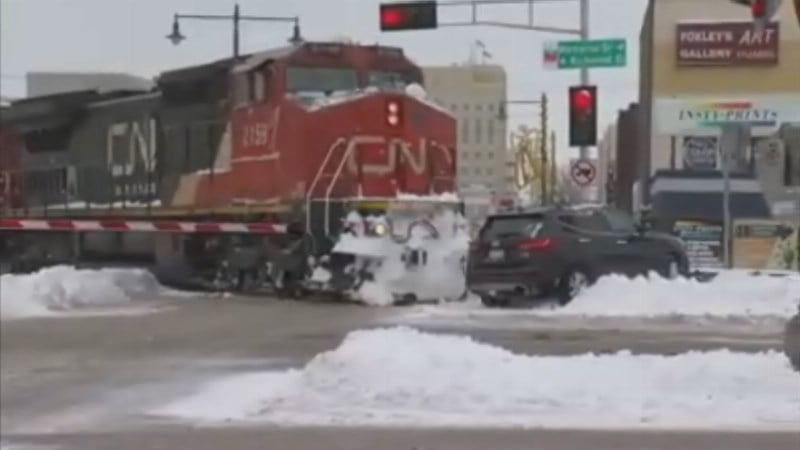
(560, 251)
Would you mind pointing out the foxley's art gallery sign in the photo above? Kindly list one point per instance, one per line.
(726, 44)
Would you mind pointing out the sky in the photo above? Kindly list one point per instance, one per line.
(129, 36)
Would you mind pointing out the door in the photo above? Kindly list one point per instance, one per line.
(634, 253)
(592, 241)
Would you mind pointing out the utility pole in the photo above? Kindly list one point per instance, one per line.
(584, 30)
(543, 135)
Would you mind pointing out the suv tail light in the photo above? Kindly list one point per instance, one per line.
(537, 245)
(475, 246)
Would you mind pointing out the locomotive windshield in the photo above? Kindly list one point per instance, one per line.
(388, 80)
(320, 80)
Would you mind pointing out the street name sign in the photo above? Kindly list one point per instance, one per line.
(597, 53)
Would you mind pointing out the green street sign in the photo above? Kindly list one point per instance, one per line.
(585, 54)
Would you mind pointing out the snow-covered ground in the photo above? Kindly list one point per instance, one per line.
(729, 295)
(400, 376)
(65, 290)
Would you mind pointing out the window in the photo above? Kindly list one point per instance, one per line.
(477, 155)
(327, 80)
(48, 139)
(390, 80)
(464, 131)
(512, 227)
(621, 222)
(241, 88)
(490, 132)
(478, 131)
(589, 221)
(257, 86)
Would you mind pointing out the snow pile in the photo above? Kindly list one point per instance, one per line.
(727, 295)
(443, 197)
(57, 289)
(313, 101)
(444, 238)
(401, 376)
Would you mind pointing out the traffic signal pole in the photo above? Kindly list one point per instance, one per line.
(584, 30)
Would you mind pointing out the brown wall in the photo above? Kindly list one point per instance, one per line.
(669, 79)
(628, 157)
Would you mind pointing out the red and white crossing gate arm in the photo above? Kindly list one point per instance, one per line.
(159, 226)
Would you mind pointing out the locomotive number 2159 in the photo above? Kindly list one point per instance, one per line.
(255, 134)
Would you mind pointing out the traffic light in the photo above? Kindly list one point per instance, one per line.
(582, 116)
(763, 11)
(408, 16)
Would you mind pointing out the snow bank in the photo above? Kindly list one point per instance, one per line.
(727, 295)
(54, 290)
(401, 376)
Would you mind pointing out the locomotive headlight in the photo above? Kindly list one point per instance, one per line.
(379, 229)
(393, 120)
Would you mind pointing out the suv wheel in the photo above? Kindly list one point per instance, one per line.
(791, 342)
(674, 269)
(572, 283)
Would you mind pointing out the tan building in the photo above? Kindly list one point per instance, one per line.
(702, 64)
(476, 94)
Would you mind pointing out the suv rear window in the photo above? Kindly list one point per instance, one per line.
(511, 227)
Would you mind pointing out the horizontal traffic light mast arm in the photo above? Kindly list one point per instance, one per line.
(474, 20)
(495, 2)
(517, 26)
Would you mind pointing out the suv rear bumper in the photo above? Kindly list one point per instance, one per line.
(522, 281)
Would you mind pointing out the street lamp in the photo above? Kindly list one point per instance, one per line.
(176, 37)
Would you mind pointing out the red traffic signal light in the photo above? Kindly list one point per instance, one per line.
(758, 8)
(408, 16)
(582, 116)
(583, 99)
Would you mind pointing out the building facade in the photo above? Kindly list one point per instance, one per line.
(702, 69)
(476, 94)
(704, 66)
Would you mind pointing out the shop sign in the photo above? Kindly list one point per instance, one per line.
(687, 115)
(726, 44)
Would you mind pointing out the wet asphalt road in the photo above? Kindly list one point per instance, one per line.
(83, 382)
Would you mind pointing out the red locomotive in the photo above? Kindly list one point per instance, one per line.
(230, 151)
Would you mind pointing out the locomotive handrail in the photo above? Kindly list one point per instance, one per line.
(317, 178)
(348, 150)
